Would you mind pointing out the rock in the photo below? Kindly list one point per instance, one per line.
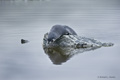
(75, 41)
(23, 41)
(69, 45)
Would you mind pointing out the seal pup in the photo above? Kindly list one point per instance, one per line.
(59, 30)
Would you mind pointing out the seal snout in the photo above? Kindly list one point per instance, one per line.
(50, 40)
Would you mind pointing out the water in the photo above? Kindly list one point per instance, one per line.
(30, 20)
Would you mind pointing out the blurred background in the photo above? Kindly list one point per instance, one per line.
(31, 19)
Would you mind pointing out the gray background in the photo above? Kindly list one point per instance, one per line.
(28, 19)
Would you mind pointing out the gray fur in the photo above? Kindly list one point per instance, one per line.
(58, 30)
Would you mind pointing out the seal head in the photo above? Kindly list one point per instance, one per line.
(59, 30)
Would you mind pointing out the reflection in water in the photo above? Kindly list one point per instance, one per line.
(58, 55)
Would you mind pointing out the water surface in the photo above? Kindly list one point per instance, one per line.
(30, 20)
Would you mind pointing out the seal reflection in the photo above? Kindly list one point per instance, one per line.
(59, 55)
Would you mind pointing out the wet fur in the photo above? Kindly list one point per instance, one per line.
(58, 30)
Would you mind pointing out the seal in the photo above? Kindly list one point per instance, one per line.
(59, 30)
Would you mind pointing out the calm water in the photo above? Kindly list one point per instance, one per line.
(30, 20)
